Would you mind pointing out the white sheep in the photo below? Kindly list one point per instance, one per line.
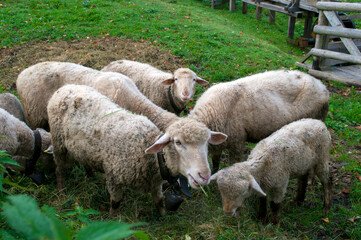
(36, 84)
(169, 91)
(20, 142)
(12, 105)
(293, 151)
(251, 108)
(102, 136)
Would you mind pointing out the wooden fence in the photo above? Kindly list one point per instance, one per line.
(336, 60)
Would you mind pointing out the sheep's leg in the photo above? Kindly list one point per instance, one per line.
(262, 212)
(276, 212)
(116, 195)
(157, 196)
(301, 189)
(60, 159)
(276, 199)
(326, 181)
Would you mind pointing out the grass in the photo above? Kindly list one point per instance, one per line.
(219, 46)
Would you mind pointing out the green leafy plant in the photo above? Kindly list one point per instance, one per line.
(23, 215)
(5, 159)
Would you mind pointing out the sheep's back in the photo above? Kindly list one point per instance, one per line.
(100, 134)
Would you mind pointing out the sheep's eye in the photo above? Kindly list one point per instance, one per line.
(177, 142)
(194, 79)
(175, 79)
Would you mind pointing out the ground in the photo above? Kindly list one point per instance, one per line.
(94, 53)
(97, 53)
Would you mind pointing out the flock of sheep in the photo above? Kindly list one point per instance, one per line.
(123, 119)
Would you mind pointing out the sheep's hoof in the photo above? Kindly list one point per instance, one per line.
(162, 212)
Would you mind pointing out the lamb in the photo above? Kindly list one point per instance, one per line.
(22, 143)
(251, 108)
(169, 91)
(293, 151)
(36, 84)
(102, 136)
(12, 105)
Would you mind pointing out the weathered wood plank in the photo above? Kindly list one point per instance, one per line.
(232, 5)
(333, 19)
(338, 31)
(350, 17)
(336, 23)
(335, 55)
(272, 17)
(335, 76)
(309, 5)
(337, 6)
(258, 12)
(273, 7)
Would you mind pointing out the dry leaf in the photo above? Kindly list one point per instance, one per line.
(346, 190)
(358, 177)
(326, 220)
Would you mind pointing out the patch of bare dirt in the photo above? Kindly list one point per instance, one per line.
(94, 53)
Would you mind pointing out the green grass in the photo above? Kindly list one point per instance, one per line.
(219, 46)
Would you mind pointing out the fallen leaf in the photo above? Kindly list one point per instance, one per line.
(358, 177)
(352, 219)
(326, 220)
(346, 190)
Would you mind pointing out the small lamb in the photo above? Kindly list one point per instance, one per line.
(293, 151)
(251, 108)
(104, 137)
(169, 91)
(20, 142)
(12, 105)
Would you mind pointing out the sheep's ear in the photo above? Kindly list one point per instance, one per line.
(217, 138)
(168, 81)
(201, 81)
(255, 186)
(159, 144)
(214, 176)
(49, 150)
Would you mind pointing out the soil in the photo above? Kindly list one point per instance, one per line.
(94, 53)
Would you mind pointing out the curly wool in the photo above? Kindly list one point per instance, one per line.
(295, 150)
(149, 81)
(190, 130)
(251, 108)
(12, 105)
(36, 84)
(107, 139)
(18, 141)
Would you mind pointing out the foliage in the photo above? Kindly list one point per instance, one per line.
(5, 160)
(24, 216)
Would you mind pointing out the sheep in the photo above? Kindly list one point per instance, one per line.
(36, 84)
(169, 91)
(251, 108)
(293, 151)
(102, 136)
(12, 105)
(24, 144)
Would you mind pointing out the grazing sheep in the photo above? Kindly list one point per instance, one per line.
(293, 151)
(169, 91)
(20, 142)
(12, 105)
(102, 136)
(251, 108)
(36, 84)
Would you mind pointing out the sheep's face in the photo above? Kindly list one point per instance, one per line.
(185, 149)
(184, 83)
(235, 186)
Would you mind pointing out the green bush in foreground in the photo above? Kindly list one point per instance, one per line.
(23, 215)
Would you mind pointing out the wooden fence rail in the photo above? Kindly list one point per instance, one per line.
(325, 57)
